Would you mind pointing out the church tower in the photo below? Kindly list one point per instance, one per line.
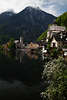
(21, 42)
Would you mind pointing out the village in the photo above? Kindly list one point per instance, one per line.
(56, 40)
(54, 44)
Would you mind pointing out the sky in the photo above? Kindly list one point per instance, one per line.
(55, 7)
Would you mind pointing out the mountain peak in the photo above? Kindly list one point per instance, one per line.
(8, 13)
(29, 8)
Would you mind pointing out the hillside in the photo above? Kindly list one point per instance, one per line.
(62, 20)
(29, 23)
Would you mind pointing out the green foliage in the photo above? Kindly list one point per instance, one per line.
(11, 44)
(55, 71)
(42, 36)
(62, 20)
(1, 47)
(48, 46)
(54, 52)
(64, 46)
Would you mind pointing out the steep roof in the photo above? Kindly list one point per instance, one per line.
(56, 28)
(59, 38)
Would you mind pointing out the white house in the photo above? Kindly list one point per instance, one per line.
(54, 43)
(53, 29)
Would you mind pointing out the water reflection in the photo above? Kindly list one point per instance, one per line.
(20, 76)
(20, 55)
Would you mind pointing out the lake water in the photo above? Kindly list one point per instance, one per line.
(20, 76)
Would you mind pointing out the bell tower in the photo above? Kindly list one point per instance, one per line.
(21, 42)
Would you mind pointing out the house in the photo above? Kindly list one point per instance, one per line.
(57, 35)
(54, 43)
(33, 46)
(59, 39)
(44, 51)
(54, 29)
(17, 44)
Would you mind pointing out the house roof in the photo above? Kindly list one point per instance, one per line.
(59, 38)
(16, 41)
(56, 28)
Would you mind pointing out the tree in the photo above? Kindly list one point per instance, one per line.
(62, 20)
(11, 44)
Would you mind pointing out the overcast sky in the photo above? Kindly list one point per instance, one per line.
(55, 7)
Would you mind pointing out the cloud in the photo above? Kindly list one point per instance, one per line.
(18, 5)
(55, 7)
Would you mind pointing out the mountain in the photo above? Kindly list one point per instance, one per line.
(4, 17)
(29, 23)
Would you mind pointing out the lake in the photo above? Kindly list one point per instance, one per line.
(20, 76)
